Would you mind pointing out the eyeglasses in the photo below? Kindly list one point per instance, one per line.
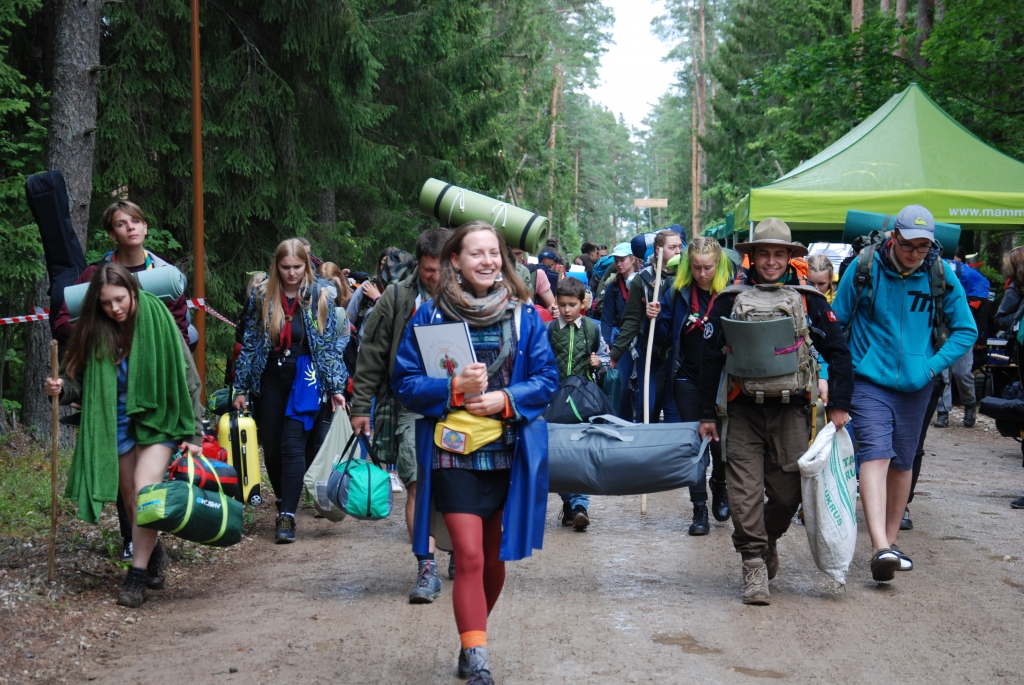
(910, 248)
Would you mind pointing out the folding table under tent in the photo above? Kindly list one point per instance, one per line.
(908, 152)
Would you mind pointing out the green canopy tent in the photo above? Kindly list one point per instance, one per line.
(908, 152)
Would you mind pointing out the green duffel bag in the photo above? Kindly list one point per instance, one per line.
(358, 487)
(180, 508)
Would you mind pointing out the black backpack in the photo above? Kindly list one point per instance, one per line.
(577, 399)
(47, 197)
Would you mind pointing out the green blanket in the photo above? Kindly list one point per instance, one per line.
(159, 404)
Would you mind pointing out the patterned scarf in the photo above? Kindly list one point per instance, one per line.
(478, 312)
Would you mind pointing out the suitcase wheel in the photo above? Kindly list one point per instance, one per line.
(255, 500)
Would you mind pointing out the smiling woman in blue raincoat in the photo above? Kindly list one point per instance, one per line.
(493, 496)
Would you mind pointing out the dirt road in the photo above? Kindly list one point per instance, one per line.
(633, 600)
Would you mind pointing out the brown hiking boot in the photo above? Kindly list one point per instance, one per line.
(755, 582)
(771, 559)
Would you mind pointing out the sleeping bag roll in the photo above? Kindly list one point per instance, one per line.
(454, 206)
(166, 282)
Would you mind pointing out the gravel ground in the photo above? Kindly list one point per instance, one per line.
(633, 600)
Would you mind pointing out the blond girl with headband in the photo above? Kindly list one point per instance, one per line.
(704, 271)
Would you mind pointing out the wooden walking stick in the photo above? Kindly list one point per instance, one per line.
(647, 362)
(54, 439)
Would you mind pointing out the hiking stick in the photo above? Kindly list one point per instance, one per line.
(55, 400)
(647, 362)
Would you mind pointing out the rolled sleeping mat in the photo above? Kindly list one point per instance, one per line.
(862, 223)
(166, 282)
(454, 206)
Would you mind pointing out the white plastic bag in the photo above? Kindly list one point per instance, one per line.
(319, 471)
(828, 481)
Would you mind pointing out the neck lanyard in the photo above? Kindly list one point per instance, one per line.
(147, 265)
(695, 320)
(285, 339)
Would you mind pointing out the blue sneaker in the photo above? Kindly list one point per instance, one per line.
(428, 585)
(477, 669)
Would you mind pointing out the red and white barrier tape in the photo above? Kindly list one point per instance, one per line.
(200, 303)
(24, 319)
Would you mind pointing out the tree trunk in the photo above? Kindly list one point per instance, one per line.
(884, 6)
(69, 147)
(901, 12)
(328, 208)
(856, 14)
(551, 143)
(924, 29)
(76, 68)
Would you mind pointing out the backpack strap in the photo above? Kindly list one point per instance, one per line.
(861, 280)
(939, 287)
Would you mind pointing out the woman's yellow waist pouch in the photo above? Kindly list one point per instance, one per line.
(464, 433)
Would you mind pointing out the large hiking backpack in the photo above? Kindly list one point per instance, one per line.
(768, 348)
(936, 283)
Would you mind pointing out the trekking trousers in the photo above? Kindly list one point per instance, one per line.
(762, 447)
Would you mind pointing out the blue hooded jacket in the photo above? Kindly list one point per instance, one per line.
(891, 338)
(534, 383)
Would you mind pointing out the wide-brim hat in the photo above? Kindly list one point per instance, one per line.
(773, 232)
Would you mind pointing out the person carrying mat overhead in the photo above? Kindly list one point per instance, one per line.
(290, 359)
(131, 371)
(492, 491)
(774, 321)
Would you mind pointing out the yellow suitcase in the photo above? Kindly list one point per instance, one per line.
(236, 433)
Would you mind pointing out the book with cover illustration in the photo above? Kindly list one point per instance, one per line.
(445, 348)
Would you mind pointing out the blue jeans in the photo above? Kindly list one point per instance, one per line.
(576, 500)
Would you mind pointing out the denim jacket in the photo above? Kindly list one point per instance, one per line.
(325, 348)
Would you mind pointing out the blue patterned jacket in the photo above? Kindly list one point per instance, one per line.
(325, 348)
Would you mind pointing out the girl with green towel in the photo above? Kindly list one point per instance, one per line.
(131, 371)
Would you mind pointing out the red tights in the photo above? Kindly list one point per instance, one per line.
(479, 574)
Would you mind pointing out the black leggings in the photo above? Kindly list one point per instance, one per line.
(283, 439)
(685, 393)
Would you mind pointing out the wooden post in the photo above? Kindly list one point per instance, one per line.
(54, 458)
(645, 388)
(198, 247)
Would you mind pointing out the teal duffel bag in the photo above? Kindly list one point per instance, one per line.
(360, 488)
(180, 508)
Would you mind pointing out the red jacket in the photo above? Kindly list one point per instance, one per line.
(63, 326)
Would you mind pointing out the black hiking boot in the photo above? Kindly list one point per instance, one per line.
(969, 417)
(156, 570)
(285, 532)
(942, 419)
(580, 518)
(700, 525)
(134, 593)
(567, 514)
(719, 500)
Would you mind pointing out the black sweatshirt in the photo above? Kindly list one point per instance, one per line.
(826, 334)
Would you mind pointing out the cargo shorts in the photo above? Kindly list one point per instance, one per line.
(405, 436)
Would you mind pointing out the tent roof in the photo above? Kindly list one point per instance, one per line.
(909, 151)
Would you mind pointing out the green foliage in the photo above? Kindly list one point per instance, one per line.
(25, 484)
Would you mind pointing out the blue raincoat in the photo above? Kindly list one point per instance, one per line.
(534, 383)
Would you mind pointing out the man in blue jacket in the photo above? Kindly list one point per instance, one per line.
(890, 322)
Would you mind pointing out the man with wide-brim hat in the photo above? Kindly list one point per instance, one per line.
(772, 231)
(768, 431)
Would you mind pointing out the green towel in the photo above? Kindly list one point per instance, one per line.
(159, 404)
